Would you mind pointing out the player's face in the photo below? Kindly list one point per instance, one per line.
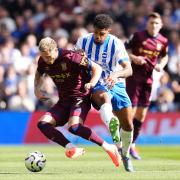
(50, 56)
(100, 35)
(153, 26)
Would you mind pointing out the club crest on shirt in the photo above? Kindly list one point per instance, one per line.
(158, 46)
(104, 55)
(64, 66)
(46, 68)
(144, 43)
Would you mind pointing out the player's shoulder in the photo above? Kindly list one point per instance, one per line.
(115, 39)
(40, 61)
(86, 36)
(162, 38)
(140, 33)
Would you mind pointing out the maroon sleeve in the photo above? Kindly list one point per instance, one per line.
(40, 66)
(165, 49)
(77, 57)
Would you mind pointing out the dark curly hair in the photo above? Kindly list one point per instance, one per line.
(102, 21)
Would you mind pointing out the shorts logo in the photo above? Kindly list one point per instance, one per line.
(63, 66)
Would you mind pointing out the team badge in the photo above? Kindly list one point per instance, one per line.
(64, 66)
(158, 46)
(144, 43)
(46, 68)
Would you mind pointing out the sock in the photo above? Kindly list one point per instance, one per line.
(126, 137)
(86, 133)
(106, 113)
(137, 127)
(105, 145)
(52, 133)
(119, 145)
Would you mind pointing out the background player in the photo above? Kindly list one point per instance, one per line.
(145, 49)
(69, 72)
(108, 51)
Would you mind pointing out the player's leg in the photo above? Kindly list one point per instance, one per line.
(47, 125)
(75, 123)
(101, 98)
(138, 120)
(123, 110)
(126, 134)
(141, 109)
(78, 129)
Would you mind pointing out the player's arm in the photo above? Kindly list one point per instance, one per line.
(122, 73)
(139, 60)
(162, 62)
(96, 74)
(130, 44)
(38, 81)
(96, 70)
(125, 72)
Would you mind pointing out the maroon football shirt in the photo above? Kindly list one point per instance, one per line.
(68, 74)
(152, 48)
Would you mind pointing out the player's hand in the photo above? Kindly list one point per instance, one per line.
(158, 67)
(88, 86)
(111, 81)
(41, 95)
(139, 60)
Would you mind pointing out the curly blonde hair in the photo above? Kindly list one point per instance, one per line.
(47, 44)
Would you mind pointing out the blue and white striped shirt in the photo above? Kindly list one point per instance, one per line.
(108, 54)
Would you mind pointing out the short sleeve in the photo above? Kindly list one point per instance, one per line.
(121, 53)
(164, 51)
(78, 57)
(78, 44)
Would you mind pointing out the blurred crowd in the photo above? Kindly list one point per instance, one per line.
(24, 22)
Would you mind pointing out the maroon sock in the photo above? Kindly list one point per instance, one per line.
(137, 127)
(52, 133)
(86, 133)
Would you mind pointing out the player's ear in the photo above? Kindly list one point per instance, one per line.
(162, 24)
(109, 30)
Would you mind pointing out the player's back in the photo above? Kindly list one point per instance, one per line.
(67, 73)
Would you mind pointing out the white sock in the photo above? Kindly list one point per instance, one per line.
(105, 145)
(106, 113)
(69, 145)
(133, 145)
(126, 137)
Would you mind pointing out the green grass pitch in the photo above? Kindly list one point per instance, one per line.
(158, 162)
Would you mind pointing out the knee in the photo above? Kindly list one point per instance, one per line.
(42, 124)
(101, 98)
(74, 128)
(128, 126)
